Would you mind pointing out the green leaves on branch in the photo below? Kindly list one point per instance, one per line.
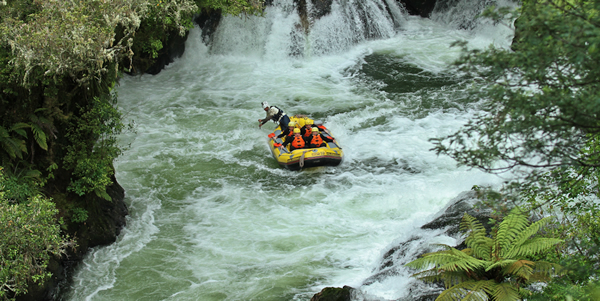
(80, 39)
(492, 267)
(541, 100)
(93, 146)
(30, 237)
(234, 7)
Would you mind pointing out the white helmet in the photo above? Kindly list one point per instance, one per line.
(265, 104)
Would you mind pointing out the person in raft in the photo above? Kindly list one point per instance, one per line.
(289, 131)
(306, 130)
(296, 141)
(316, 139)
(276, 114)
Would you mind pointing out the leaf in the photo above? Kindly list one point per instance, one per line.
(480, 244)
(468, 290)
(505, 291)
(510, 228)
(40, 136)
(521, 268)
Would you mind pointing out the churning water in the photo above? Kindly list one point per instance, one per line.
(213, 216)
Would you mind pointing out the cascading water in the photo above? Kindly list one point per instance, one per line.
(213, 217)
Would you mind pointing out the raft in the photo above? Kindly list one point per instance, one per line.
(330, 154)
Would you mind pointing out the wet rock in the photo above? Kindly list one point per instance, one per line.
(208, 21)
(421, 8)
(320, 8)
(334, 294)
(449, 218)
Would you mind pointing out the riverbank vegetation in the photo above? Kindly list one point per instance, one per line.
(59, 121)
(541, 122)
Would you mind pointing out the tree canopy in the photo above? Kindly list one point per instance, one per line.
(542, 100)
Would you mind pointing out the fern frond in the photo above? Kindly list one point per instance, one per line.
(19, 125)
(468, 290)
(531, 247)
(39, 136)
(452, 294)
(14, 147)
(453, 260)
(430, 276)
(19, 128)
(470, 223)
(505, 291)
(510, 229)
(423, 261)
(532, 229)
(453, 278)
(520, 268)
(543, 271)
(482, 247)
(477, 238)
(500, 264)
(436, 275)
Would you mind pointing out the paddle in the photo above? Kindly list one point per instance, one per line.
(275, 144)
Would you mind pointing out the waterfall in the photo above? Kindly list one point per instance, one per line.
(290, 29)
(463, 14)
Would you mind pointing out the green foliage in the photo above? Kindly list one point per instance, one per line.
(79, 215)
(17, 190)
(540, 100)
(51, 37)
(12, 146)
(30, 237)
(13, 141)
(93, 146)
(162, 21)
(497, 267)
(234, 7)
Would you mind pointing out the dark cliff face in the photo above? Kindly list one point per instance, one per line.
(421, 8)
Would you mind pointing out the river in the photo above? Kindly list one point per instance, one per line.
(213, 216)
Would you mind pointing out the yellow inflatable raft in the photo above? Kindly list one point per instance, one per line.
(330, 154)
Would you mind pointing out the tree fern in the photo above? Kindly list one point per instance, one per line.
(492, 267)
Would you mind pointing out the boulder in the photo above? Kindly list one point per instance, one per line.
(334, 294)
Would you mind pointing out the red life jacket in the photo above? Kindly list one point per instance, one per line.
(298, 142)
(316, 140)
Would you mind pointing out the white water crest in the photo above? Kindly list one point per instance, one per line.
(213, 216)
